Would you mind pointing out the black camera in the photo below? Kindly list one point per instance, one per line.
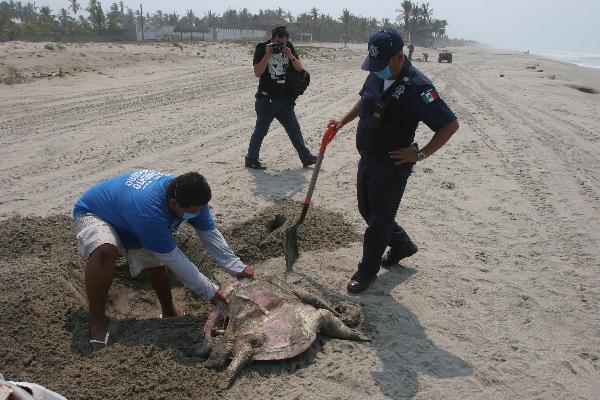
(380, 108)
(277, 47)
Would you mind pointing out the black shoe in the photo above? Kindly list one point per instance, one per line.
(310, 161)
(358, 284)
(393, 256)
(254, 164)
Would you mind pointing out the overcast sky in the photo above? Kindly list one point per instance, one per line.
(537, 25)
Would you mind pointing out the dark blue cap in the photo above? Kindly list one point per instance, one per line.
(382, 46)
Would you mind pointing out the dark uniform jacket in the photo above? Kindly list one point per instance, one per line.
(412, 100)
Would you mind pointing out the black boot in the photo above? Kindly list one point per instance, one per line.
(309, 161)
(360, 283)
(394, 255)
(254, 164)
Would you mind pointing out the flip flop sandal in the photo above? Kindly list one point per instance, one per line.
(104, 342)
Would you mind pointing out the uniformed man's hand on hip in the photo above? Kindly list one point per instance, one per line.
(338, 124)
(404, 155)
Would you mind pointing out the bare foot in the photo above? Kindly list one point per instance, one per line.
(98, 334)
(175, 312)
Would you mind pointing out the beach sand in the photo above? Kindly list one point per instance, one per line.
(501, 301)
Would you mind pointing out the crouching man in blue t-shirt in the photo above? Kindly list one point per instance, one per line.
(136, 214)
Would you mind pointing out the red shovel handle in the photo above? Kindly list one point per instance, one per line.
(327, 138)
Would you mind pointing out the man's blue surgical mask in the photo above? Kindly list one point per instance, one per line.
(187, 216)
(385, 73)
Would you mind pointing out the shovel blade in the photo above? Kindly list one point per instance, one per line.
(291, 247)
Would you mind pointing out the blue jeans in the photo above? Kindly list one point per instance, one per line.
(283, 111)
(380, 186)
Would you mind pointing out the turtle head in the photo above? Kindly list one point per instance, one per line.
(350, 314)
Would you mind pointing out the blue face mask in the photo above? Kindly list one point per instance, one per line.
(187, 216)
(385, 73)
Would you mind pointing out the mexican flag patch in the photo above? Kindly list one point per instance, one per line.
(429, 95)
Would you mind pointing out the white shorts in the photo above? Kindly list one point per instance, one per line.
(92, 232)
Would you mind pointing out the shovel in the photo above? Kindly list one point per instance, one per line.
(290, 247)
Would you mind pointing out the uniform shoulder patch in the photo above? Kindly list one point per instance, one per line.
(429, 95)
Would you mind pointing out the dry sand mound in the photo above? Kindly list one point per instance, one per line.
(261, 237)
(43, 312)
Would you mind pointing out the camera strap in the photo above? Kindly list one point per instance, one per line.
(382, 104)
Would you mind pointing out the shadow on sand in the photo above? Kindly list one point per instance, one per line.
(398, 337)
(179, 335)
(401, 342)
(276, 187)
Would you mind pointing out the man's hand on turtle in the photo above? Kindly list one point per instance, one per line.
(248, 272)
(218, 298)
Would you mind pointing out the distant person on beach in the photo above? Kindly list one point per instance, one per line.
(393, 100)
(135, 215)
(411, 49)
(272, 60)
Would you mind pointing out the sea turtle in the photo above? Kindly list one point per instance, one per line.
(269, 319)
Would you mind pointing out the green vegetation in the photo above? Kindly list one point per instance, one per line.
(414, 20)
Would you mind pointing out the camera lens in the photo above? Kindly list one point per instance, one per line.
(276, 48)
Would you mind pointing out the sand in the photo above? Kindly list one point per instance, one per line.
(501, 301)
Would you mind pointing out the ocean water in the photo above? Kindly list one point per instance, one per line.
(590, 60)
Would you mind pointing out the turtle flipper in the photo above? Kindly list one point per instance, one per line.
(330, 325)
(349, 313)
(243, 351)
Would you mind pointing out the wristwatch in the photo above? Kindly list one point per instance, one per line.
(421, 156)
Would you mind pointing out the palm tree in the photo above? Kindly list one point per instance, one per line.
(289, 17)
(172, 19)
(46, 14)
(113, 17)
(97, 17)
(230, 18)
(18, 10)
(5, 16)
(211, 19)
(405, 11)
(74, 6)
(315, 15)
(28, 12)
(426, 12)
(158, 19)
(63, 17)
(346, 20)
(244, 17)
(190, 14)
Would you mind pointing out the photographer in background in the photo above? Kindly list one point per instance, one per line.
(272, 61)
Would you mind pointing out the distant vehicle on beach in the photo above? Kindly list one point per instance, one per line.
(445, 55)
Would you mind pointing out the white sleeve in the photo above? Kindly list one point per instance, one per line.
(187, 272)
(39, 392)
(217, 248)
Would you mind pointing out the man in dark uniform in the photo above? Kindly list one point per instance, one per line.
(272, 60)
(394, 99)
(411, 49)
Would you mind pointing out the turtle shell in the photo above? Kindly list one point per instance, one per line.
(258, 308)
